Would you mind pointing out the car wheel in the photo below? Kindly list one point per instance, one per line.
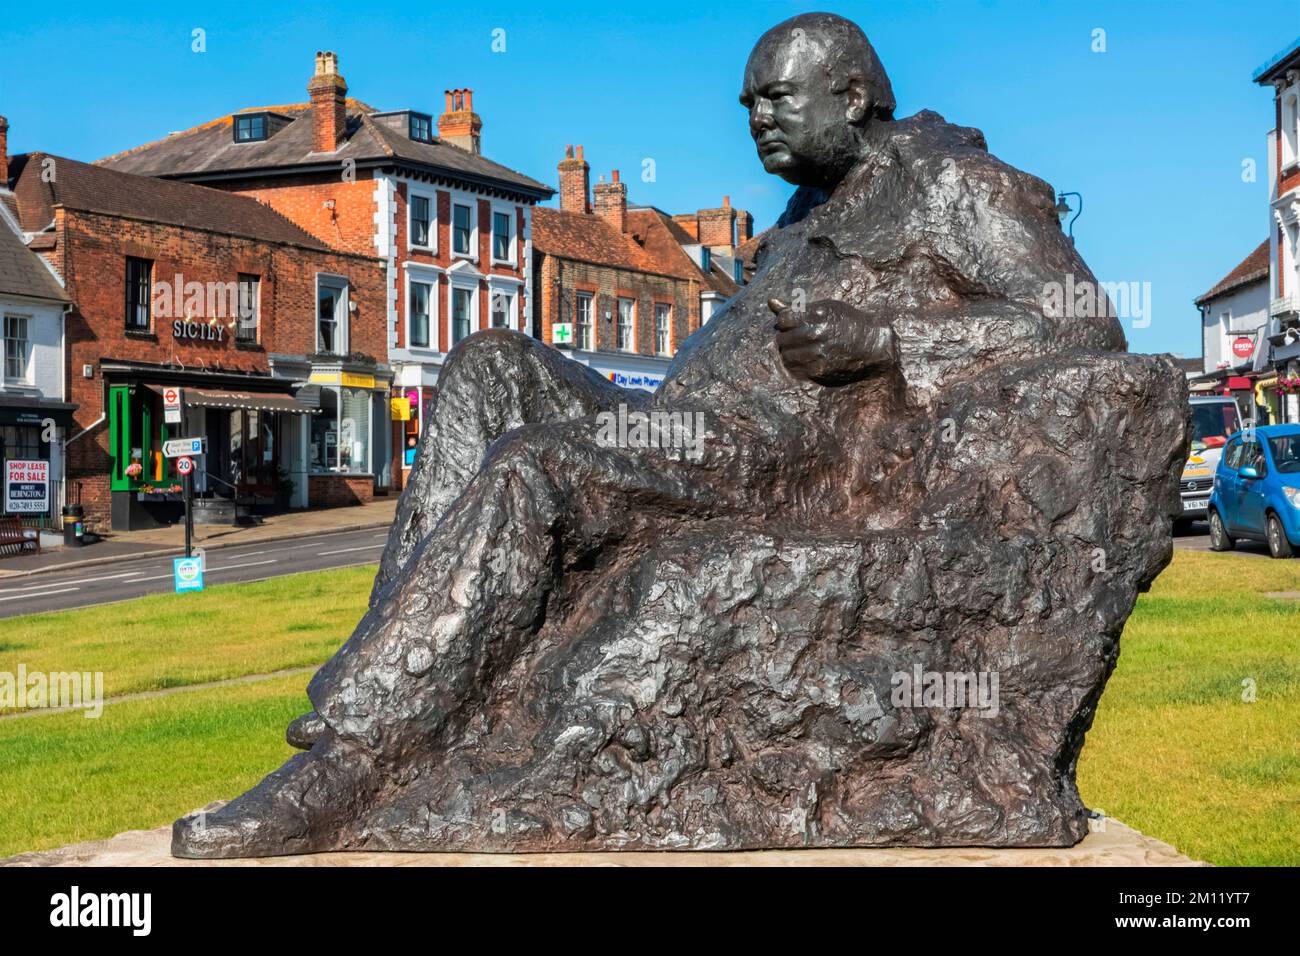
(1278, 545)
(1219, 540)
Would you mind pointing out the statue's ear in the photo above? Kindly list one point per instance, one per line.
(857, 101)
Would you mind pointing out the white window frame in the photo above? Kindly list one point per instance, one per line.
(630, 346)
(590, 343)
(668, 329)
(431, 195)
(431, 276)
(28, 372)
(332, 281)
(511, 216)
(257, 307)
(471, 201)
(471, 284)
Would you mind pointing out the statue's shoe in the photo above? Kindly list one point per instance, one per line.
(304, 731)
(297, 809)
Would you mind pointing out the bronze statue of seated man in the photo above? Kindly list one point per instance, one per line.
(910, 471)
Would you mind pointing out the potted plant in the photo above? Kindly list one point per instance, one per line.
(284, 486)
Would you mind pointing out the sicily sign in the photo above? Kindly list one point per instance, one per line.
(27, 486)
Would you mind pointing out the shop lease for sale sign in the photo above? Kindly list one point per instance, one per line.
(27, 486)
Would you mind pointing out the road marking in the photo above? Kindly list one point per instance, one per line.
(106, 577)
(19, 597)
(364, 547)
(232, 567)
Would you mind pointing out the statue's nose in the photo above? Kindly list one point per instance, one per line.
(760, 117)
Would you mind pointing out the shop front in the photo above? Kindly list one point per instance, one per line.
(349, 444)
(32, 429)
(251, 430)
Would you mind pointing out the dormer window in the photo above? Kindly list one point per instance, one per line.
(250, 129)
(421, 128)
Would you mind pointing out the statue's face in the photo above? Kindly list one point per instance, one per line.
(800, 127)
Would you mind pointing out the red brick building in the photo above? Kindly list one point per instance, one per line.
(277, 342)
(627, 284)
(452, 227)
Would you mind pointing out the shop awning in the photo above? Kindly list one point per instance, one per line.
(230, 399)
(15, 410)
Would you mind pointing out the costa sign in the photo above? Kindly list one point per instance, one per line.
(1243, 347)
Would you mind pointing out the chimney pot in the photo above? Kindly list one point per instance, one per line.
(615, 178)
(580, 152)
(726, 200)
(460, 125)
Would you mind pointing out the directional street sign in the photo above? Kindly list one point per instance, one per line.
(180, 447)
(184, 465)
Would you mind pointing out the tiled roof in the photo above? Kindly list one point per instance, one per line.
(210, 149)
(652, 243)
(22, 272)
(1250, 269)
(88, 188)
(587, 238)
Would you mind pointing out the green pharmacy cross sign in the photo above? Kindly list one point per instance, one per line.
(562, 333)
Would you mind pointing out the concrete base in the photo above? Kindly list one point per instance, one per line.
(1110, 844)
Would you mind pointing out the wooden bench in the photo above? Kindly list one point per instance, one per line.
(13, 536)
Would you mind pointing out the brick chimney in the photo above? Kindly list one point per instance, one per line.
(716, 224)
(609, 200)
(575, 182)
(4, 153)
(329, 112)
(459, 125)
(744, 226)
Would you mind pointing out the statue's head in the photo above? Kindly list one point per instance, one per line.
(813, 85)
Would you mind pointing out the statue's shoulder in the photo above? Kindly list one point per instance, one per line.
(931, 151)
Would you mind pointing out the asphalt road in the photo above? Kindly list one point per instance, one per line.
(136, 577)
(1197, 538)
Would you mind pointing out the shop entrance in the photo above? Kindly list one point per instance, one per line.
(242, 453)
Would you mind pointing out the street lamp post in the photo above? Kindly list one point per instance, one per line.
(1063, 209)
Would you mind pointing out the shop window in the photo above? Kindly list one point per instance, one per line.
(22, 441)
(340, 432)
(138, 278)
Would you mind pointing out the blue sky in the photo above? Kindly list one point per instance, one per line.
(1153, 131)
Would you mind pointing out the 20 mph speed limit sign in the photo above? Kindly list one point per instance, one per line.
(184, 465)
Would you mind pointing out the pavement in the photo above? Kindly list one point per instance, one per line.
(1110, 843)
(170, 541)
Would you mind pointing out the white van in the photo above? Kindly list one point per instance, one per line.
(1214, 420)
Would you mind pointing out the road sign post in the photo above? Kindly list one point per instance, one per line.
(182, 449)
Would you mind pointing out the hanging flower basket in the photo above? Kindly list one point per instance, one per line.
(1288, 385)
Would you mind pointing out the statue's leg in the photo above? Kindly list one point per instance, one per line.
(493, 381)
(475, 591)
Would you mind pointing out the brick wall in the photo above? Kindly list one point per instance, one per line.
(91, 255)
(348, 225)
(557, 282)
(337, 491)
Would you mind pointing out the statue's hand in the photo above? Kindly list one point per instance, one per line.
(831, 342)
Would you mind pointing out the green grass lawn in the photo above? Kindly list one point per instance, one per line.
(1174, 752)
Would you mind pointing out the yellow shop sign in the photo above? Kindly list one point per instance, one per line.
(346, 379)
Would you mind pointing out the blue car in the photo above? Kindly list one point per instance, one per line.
(1257, 490)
